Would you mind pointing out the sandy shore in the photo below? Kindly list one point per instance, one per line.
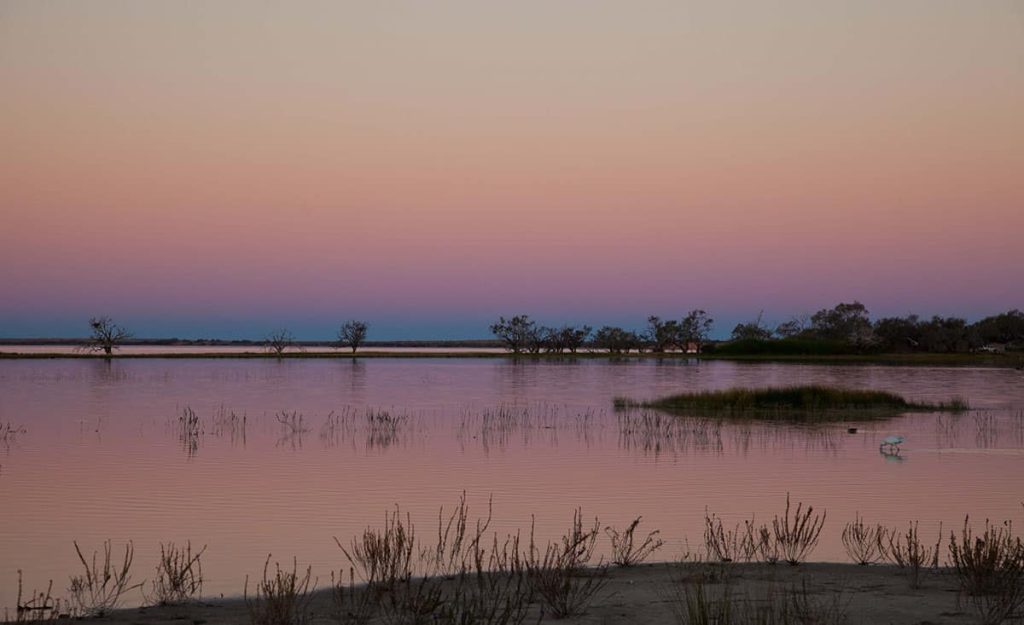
(646, 594)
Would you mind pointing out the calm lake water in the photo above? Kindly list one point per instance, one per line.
(103, 455)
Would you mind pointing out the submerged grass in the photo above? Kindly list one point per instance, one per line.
(807, 402)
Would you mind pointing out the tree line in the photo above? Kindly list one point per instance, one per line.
(106, 336)
(844, 328)
(849, 326)
(520, 334)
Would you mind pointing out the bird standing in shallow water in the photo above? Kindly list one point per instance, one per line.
(892, 443)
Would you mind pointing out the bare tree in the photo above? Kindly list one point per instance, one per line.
(278, 341)
(352, 334)
(106, 335)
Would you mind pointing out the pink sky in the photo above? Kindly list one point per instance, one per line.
(227, 168)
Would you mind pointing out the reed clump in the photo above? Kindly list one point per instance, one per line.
(790, 537)
(790, 403)
(281, 598)
(720, 543)
(229, 423)
(558, 574)
(190, 430)
(698, 604)
(384, 557)
(38, 606)
(628, 549)
(337, 426)
(100, 587)
(990, 569)
(450, 555)
(292, 423)
(910, 554)
(179, 575)
(384, 427)
(496, 599)
(655, 432)
(354, 605)
(759, 543)
(469, 581)
(796, 535)
(864, 543)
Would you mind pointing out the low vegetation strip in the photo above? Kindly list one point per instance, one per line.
(790, 402)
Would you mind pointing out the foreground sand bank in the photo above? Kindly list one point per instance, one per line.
(646, 594)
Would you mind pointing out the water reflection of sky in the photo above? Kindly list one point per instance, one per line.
(282, 456)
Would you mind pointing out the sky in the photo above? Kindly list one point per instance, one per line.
(226, 169)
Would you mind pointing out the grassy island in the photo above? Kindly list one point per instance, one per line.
(814, 402)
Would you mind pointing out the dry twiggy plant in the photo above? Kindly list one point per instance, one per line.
(493, 599)
(695, 604)
(505, 558)
(282, 599)
(719, 543)
(292, 422)
(353, 605)
(865, 544)
(190, 428)
(384, 557)
(100, 587)
(909, 553)
(178, 577)
(625, 549)
(558, 576)
(798, 605)
(990, 569)
(759, 544)
(698, 604)
(797, 536)
(384, 428)
(38, 607)
(449, 556)
(413, 602)
(227, 422)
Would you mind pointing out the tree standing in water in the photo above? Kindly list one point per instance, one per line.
(278, 341)
(352, 334)
(106, 335)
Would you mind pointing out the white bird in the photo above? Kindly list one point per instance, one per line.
(892, 442)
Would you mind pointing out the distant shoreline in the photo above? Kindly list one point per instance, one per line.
(259, 344)
(998, 361)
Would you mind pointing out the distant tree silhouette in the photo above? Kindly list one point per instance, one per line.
(793, 327)
(753, 330)
(845, 322)
(1007, 327)
(663, 335)
(278, 341)
(572, 337)
(616, 340)
(106, 335)
(518, 333)
(696, 327)
(352, 334)
(557, 340)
